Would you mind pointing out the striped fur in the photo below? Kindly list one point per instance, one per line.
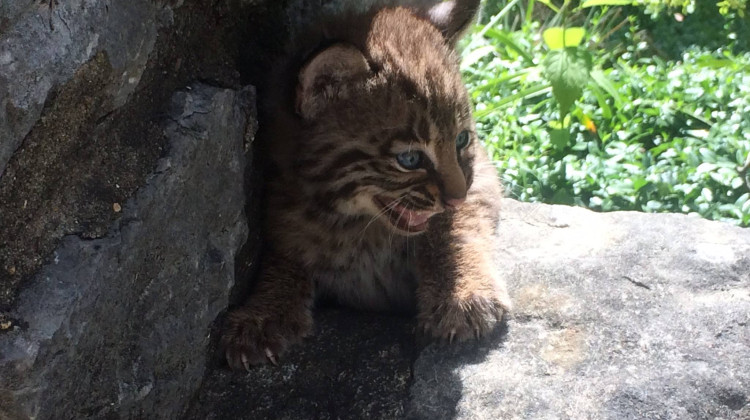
(343, 218)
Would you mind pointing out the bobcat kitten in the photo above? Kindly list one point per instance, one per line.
(378, 192)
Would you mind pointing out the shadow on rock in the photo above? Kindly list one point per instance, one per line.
(356, 365)
(437, 384)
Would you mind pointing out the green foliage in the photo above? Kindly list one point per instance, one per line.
(558, 38)
(593, 3)
(567, 69)
(668, 35)
(640, 132)
(725, 7)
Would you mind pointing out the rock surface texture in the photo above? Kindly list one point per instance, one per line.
(118, 327)
(617, 316)
(83, 88)
(63, 36)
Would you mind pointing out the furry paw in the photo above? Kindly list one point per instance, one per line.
(460, 319)
(253, 337)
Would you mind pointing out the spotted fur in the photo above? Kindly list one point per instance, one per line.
(344, 217)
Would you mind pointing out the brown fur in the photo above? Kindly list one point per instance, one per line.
(343, 217)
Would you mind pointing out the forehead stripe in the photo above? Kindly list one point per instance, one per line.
(345, 159)
(422, 129)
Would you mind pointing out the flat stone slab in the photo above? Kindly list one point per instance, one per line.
(617, 316)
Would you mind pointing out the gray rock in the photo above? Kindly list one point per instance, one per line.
(355, 366)
(617, 316)
(42, 47)
(118, 327)
(84, 98)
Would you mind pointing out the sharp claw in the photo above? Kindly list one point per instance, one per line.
(477, 334)
(245, 362)
(452, 336)
(271, 357)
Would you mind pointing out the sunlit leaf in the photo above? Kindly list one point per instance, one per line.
(603, 82)
(592, 3)
(567, 70)
(505, 39)
(549, 4)
(474, 56)
(557, 38)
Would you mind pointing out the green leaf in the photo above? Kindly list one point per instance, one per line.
(567, 70)
(592, 3)
(560, 125)
(524, 94)
(714, 63)
(603, 81)
(549, 4)
(472, 57)
(559, 137)
(603, 105)
(505, 38)
(553, 37)
(562, 197)
(639, 182)
(557, 38)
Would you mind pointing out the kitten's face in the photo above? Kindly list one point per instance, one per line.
(393, 157)
(422, 178)
(392, 138)
(410, 170)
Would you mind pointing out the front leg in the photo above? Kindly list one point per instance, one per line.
(460, 294)
(278, 313)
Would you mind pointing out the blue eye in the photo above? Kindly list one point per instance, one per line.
(410, 159)
(462, 140)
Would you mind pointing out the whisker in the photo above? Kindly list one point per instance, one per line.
(390, 235)
(389, 206)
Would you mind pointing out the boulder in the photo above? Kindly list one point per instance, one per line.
(118, 236)
(617, 316)
(43, 44)
(118, 327)
(83, 88)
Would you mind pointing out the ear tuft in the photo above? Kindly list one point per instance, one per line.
(326, 77)
(452, 17)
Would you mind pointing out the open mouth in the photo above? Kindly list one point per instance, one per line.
(402, 218)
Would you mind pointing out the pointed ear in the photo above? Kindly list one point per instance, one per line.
(327, 77)
(452, 17)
